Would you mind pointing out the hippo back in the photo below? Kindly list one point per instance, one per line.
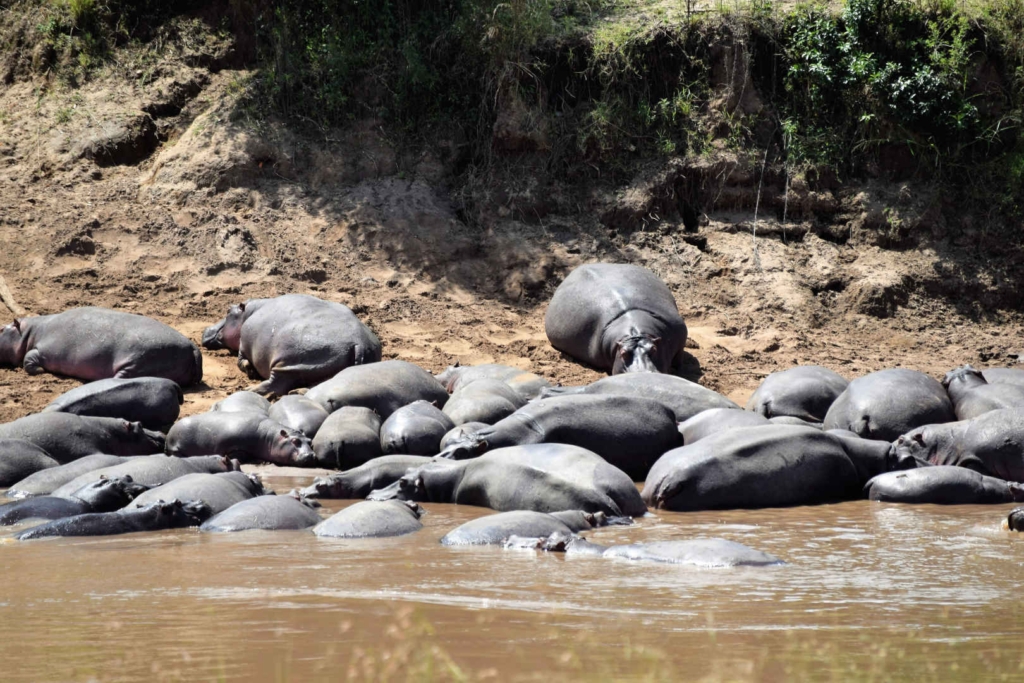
(888, 403)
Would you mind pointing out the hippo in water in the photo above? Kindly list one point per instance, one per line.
(102, 495)
(498, 529)
(547, 477)
(972, 395)
(1015, 520)
(806, 392)
(246, 436)
(942, 485)
(153, 517)
(628, 431)
(888, 403)
(66, 437)
(292, 341)
(371, 519)
(218, 491)
(718, 420)
(683, 397)
(992, 444)
(153, 402)
(47, 481)
(96, 343)
(267, 513)
(359, 481)
(526, 384)
(382, 387)
(298, 413)
(415, 429)
(754, 467)
(20, 458)
(242, 402)
(348, 438)
(151, 471)
(617, 318)
(485, 400)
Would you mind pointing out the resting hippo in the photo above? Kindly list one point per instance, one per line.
(66, 437)
(617, 318)
(497, 529)
(103, 495)
(369, 476)
(888, 403)
(992, 444)
(246, 436)
(806, 392)
(269, 513)
(1004, 376)
(627, 431)
(49, 480)
(753, 467)
(152, 401)
(871, 458)
(415, 429)
(461, 432)
(1015, 520)
(294, 341)
(681, 396)
(485, 400)
(546, 477)
(298, 413)
(154, 517)
(972, 395)
(242, 402)
(348, 438)
(371, 519)
(116, 345)
(716, 421)
(383, 387)
(942, 485)
(151, 471)
(524, 383)
(217, 491)
(20, 458)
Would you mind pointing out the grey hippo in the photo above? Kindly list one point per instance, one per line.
(153, 517)
(415, 429)
(972, 395)
(243, 402)
(527, 384)
(360, 481)
(66, 437)
(298, 413)
(293, 341)
(218, 491)
(806, 392)
(485, 400)
(116, 345)
(617, 318)
(382, 387)
(371, 519)
(151, 471)
(20, 458)
(154, 402)
(246, 436)
(348, 438)
(267, 513)
(885, 404)
(47, 481)
(717, 420)
(942, 485)
(102, 495)
(1015, 520)
(461, 432)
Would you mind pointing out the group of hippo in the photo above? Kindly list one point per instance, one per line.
(112, 456)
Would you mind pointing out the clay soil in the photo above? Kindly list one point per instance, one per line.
(159, 197)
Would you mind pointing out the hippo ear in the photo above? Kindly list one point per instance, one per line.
(284, 433)
(241, 307)
(17, 324)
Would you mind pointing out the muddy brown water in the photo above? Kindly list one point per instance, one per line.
(870, 592)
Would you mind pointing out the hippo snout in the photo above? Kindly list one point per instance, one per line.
(213, 337)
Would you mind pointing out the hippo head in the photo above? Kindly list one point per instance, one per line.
(139, 441)
(328, 487)
(448, 377)
(213, 336)
(635, 353)
(294, 447)
(410, 487)
(1015, 520)
(227, 333)
(915, 447)
(464, 446)
(12, 344)
(107, 495)
(961, 379)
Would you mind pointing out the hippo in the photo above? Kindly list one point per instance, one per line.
(547, 477)
(753, 467)
(348, 438)
(628, 431)
(415, 429)
(617, 318)
(870, 457)
(268, 513)
(681, 396)
(461, 432)
(1015, 520)
(154, 402)
(293, 341)
(218, 491)
(247, 436)
(372, 519)
(47, 481)
(102, 495)
(151, 471)
(358, 482)
(298, 413)
(156, 516)
(243, 402)
(942, 485)
(992, 444)
(499, 528)
(115, 344)
(716, 421)
(383, 387)
(485, 400)
(1004, 376)
(524, 383)
(66, 437)
(888, 403)
(972, 395)
(805, 392)
(20, 458)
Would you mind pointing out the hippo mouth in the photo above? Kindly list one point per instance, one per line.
(213, 337)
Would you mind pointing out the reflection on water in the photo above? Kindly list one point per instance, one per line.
(869, 591)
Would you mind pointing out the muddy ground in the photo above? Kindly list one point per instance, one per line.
(159, 196)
